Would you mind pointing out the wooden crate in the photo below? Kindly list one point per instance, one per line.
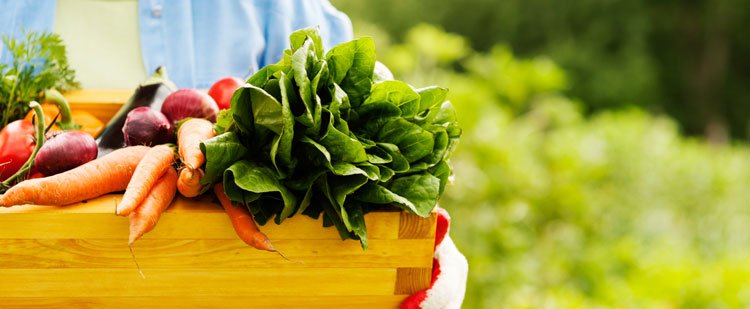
(78, 255)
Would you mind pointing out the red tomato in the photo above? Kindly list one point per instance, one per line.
(223, 89)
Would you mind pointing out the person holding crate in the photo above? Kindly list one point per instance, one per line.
(112, 44)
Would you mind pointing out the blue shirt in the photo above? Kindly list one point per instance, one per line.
(202, 41)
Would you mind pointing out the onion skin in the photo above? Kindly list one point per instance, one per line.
(189, 103)
(146, 126)
(65, 151)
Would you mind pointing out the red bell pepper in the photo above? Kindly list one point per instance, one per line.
(16, 146)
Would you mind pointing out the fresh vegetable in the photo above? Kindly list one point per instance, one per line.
(157, 161)
(26, 167)
(186, 103)
(222, 90)
(37, 63)
(315, 134)
(189, 182)
(189, 138)
(65, 151)
(55, 104)
(146, 126)
(16, 146)
(144, 218)
(243, 222)
(107, 174)
(151, 93)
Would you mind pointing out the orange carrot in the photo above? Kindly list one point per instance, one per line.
(143, 219)
(189, 137)
(156, 161)
(243, 222)
(189, 182)
(107, 174)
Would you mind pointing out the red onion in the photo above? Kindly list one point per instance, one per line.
(145, 126)
(65, 151)
(186, 103)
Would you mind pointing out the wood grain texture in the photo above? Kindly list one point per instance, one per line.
(288, 301)
(411, 280)
(211, 253)
(82, 282)
(412, 226)
(95, 219)
(102, 103)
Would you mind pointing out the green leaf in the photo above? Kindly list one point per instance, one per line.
(385, 173)
(357, 221)
(257, 178)
(343, 148)
(223, 121)
(420, 189)
(413, 141)
(242, 109)
(443, 172)
(298, 37)
(339, 102)
(301, 61)
(396, 93)
(351, 66)
(378, 194)
(375, 115)
(261, 78)
(431, 96)
(399, 163)
(439, 152)
(281, 148)
(221, 151)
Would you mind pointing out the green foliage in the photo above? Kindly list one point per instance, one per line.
(315, 134)
(556, 209)
(680, 58)
(38, 63)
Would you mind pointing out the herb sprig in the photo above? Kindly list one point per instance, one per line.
(37, 62)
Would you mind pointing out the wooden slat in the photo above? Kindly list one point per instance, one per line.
(239, 301)
(95, 219)
(77, 282)
(102, 103)
(228, 254)
(412, 280)
(99, 96)
(412, 226)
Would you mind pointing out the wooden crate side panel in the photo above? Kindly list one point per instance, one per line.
(238, 301)
(102, 103)
(83, 282)
(95, 219)
(204, 253)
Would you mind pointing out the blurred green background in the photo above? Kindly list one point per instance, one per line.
(604, 160)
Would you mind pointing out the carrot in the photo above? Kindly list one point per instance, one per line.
(143, 219)
(243, 222)
(156, 161)
(107, 174)
(189, 137)
(189, 182)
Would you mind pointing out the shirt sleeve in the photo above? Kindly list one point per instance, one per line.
(285, 16)
(18, 16)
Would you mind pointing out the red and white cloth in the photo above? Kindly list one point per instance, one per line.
(449, 271)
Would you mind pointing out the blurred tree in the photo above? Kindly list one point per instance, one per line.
(676, 57)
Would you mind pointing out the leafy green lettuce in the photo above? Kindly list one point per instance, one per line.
(314, 134)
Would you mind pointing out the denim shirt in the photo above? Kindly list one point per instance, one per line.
(202, 41)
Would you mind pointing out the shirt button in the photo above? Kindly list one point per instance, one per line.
(156, 11)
